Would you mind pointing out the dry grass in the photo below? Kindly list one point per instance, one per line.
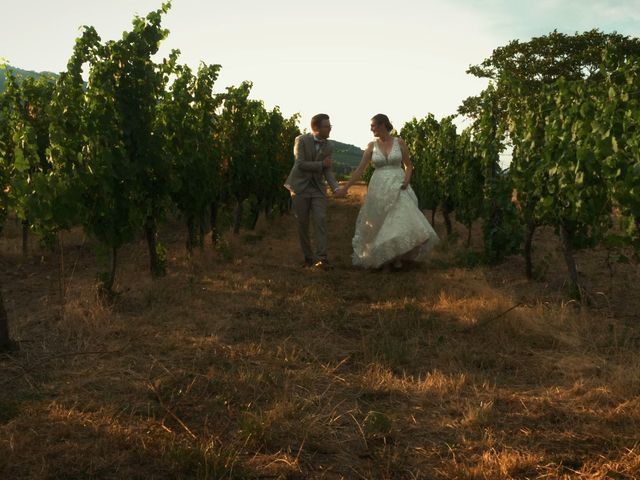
(250, 367)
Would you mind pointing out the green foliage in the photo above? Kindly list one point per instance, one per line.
(7, 155)
(257, 148)
(462, 173)
(189, 126)
(469, 180)
(421, 137)
(501, 230)
(546, 59)
(449, 171)
(578, 197)
(125, 175)
(239, 144)
(29, 169)
(616, 138)
(564, 101)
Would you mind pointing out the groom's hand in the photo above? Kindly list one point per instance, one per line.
(340, 193)
(327, 162)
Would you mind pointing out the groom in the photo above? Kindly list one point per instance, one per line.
(312, 154)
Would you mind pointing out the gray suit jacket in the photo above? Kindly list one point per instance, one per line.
(308, 169)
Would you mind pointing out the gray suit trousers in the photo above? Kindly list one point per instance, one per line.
(312, 206)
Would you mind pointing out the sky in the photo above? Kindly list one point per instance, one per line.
(350, 59)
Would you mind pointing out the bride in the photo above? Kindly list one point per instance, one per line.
(390, 227)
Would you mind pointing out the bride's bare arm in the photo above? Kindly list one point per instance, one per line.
(357, 174)
(406, 160)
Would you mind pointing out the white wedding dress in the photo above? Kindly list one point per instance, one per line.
(390, 225)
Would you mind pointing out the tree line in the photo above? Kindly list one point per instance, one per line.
(569, 108)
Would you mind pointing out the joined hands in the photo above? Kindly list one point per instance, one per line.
(340, 192)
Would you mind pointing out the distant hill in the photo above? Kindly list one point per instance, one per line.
(20, 73)
(345, 157)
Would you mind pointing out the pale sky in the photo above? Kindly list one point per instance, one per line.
(349, 58)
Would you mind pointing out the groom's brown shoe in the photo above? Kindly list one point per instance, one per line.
(308, 263)
(323, 264)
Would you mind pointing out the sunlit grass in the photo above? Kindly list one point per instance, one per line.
(246, 366)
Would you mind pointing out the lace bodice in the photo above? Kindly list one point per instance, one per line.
(394, 158)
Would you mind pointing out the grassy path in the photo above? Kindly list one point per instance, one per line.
(251, 367)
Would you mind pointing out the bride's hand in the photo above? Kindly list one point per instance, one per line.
(404, 185)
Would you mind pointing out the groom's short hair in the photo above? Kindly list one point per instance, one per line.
(316, 120)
